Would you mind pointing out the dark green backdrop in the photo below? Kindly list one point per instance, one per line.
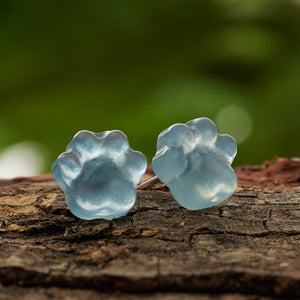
(140, 66)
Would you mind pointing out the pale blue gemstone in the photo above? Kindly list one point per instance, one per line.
(194, 161)
(99, 173)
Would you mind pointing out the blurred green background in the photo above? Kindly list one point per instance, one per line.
(141, 66)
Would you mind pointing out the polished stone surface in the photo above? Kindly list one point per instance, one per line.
(194, 161)
(99, 173)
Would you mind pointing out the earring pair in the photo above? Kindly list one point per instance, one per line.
(99, 172)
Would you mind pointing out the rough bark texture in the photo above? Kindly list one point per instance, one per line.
(281, 173)
(248, 246)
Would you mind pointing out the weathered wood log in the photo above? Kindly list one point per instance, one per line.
(247, 246)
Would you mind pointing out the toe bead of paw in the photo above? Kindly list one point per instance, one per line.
(177, 135)
(169, 163)
(115, 145)
(226, 146)
(204, 129)
(65, 169)
(134, 166)
(84, 144)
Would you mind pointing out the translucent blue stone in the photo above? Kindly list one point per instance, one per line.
(99, 173)
(194, 161)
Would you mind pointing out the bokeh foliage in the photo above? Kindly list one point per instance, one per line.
(141, 66)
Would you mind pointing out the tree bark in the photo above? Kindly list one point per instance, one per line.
(247, 246)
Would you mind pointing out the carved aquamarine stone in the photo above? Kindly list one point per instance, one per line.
(194, 161)
(98, 174)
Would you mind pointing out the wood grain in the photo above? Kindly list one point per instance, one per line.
(247, 246)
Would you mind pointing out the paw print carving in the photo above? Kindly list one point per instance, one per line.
(99, 173)
(194, 161)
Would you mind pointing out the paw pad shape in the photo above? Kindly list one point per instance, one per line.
(194, 161)
(99, 173)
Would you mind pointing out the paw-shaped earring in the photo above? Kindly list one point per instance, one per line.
(99, 173)
(194, 161)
